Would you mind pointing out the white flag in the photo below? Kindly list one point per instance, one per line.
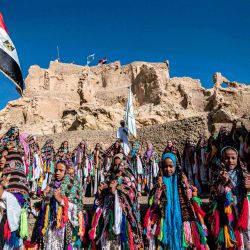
(129, 115)
(90, 58)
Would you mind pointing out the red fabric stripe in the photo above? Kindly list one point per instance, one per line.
(2, 24)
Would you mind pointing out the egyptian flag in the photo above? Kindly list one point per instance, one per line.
(9, 62)
(103, 60)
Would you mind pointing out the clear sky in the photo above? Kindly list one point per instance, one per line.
(199, 37)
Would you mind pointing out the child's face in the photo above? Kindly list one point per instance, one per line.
(168, 167)
(229, 158)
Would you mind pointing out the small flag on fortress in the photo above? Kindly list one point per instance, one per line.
(103, 60)
(90, 58)
(9, 62)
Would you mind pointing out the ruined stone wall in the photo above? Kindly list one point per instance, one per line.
(156, 134)
(68, 97)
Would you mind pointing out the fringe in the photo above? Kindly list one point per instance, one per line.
(244, 216)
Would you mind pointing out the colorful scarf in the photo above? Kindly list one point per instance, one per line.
(134, 150)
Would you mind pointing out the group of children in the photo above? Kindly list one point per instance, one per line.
(174, 218)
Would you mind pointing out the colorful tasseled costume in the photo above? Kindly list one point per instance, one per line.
(116, 221)
(14, 203)
(151, 168)
(97, 173)
(137, 166)
(48, 156)
(83, 164)
(230, 223)
(174, 219)
(62, 226)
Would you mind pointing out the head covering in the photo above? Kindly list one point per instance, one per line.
(62, 152)
(48, 151)
(149, 152)
(112, 150)
(12, 135)
(80, 152)
(134, 150)
(228, 147)
(170, 156)
(120, 156)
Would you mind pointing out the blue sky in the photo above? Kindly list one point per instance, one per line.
(198, 37)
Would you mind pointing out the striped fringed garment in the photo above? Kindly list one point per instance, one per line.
(15, 182)
(229, 218)
(15, 173)
(56, 224)
(105, 232)
(194, 232)
(48, 156)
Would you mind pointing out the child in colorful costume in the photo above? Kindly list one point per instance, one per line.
(116, 221)
(14, 202)
(61, 223)
(230, 220)
(174, 219)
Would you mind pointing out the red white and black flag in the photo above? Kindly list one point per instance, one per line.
(104, 60)
(9, 62)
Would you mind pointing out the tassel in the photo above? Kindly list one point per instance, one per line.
(65, 211)
(228, 210)
(58, 217)
(111, 223)
(123, 229)
(7, 232)
(44, 167)
(130, 241)
(238, 238)
(243, 220)
(195, 234)
(46, 220)
(24, 232)
(184, 243)
(151, 200)
(220, 238)
(81, 224)
(146, 218)
(215, 224)
(228, 242)
(14, 241)
(187, 232)
(160, 236)
(158, 229)
(147, 223)
(28, 245)
(198, 209)
(92, 232)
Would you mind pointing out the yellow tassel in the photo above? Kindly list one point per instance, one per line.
(58, 217)
(44, 167)
(46, 220)
(228, 210)
(201, 219)
(80, 220)
(228, 242)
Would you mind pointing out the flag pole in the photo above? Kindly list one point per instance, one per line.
(58, 54)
